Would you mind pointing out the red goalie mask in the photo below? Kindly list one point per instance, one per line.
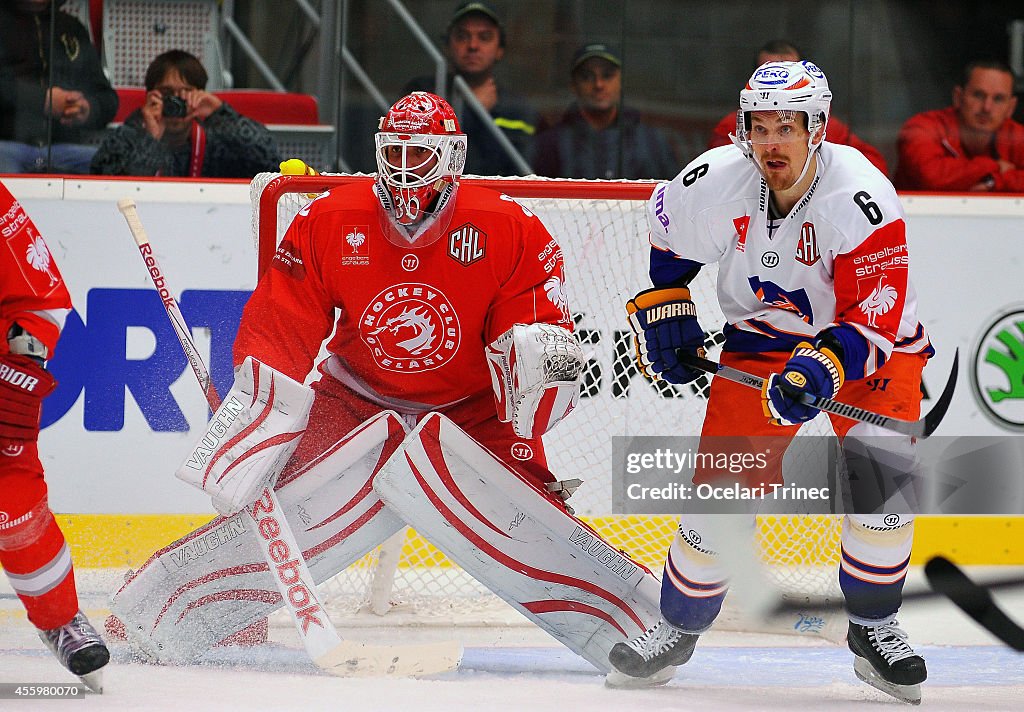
(420, 152)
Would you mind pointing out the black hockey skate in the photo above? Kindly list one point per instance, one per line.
(80, 649)
(650, 658)
(885, 660)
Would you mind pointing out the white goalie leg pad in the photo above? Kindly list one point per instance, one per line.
(535, 373)
(215, 581)
(250, 438)
(517, 541)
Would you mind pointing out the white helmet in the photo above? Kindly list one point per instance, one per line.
(785, 86)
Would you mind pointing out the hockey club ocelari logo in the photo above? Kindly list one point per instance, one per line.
(997, 372)
(355, 249)
(410, 262)
(410, 327)
(807, 246)
(467, 245)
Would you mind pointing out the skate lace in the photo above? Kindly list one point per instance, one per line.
(891, 641)
(655, 641)
(72, 637)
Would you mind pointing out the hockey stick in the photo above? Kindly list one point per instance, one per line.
(921, 428)
(291, 574)
(974, 600)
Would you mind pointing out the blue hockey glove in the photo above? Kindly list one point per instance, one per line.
(818, 371)
(664, 320)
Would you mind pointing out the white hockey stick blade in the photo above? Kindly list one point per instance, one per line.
(921, 428)
(354, 659)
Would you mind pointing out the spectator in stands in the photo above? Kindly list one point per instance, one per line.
(474, 44)
(836, 132)
(183, 130)
(47, 117)
(973, 145)
(598, 137)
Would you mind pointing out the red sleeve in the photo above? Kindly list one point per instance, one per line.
(720, 134)
(32, 291)
(1010, 147)
(871, 284)
(930, 158)
(534, 291)
(290, 312)
(839, 132)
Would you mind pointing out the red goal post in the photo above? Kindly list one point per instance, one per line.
(601, 227)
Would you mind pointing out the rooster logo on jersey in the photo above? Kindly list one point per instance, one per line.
(554, 288)
(879, 302)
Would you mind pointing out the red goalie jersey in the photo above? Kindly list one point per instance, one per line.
(414, 318)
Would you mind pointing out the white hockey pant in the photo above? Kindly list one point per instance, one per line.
(518, 541)
(214, 582)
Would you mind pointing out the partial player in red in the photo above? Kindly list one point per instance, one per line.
(33, 305)
(451, 353)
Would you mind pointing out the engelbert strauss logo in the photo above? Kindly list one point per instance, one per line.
(997, 376)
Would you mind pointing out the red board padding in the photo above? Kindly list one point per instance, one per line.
(267, 107)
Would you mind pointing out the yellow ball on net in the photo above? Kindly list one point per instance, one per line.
(297, 167)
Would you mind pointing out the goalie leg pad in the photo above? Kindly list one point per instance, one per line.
(214, 582)
(518, 540)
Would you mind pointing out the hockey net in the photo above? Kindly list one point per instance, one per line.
(601, 227)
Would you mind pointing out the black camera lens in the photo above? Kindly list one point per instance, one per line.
(174, 106)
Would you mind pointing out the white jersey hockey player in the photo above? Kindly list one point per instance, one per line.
(811, 248)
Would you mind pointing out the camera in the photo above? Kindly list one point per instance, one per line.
(174, 106)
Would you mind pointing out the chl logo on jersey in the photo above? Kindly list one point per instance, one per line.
(807, 248)
(467, 245)
(410, 327)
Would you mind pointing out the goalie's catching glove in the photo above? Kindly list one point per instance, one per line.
(664, 320)
(809, 370)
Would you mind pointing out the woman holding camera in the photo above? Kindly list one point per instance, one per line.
(183, 130)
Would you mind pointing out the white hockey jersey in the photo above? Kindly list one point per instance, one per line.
(839, 259)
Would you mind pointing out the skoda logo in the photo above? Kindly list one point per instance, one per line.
(997, 369)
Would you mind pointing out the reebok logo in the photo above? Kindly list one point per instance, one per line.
(287, 567)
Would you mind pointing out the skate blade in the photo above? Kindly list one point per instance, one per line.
(623, 681)
(911, 694)
(354, 659)
(93, 680)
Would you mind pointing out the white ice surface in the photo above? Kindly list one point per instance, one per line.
(521, 669)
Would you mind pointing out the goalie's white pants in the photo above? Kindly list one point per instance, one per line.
(518, 540)
(215, 581)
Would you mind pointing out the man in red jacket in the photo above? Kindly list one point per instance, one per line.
(972, 145)
(838, 132)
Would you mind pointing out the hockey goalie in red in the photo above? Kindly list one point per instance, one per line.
(452, 353)
(33, 305)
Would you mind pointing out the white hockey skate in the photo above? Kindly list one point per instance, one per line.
(651, 658)
(80, 649)
(884, 660)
